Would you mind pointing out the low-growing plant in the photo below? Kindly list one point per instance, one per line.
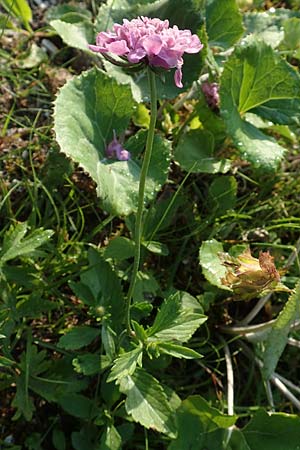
(122, 313)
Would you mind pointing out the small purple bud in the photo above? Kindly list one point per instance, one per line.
(211, 92)
(115, 150)
(123, 155)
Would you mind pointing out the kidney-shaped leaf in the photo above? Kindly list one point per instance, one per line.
(87, 111)
(273, 431)
(253, 77)
(194, 152)
(200, 426)
(223, 22)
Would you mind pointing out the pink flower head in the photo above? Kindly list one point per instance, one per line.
(151, 41)
(115, 150)
(211, 92)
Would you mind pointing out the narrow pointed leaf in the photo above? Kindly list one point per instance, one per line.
(277, 338)
(178, 351)
(125, 364)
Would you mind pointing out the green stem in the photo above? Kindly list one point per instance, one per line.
(139, 215)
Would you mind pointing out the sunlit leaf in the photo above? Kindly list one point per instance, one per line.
(147, 402)
(277, 338)
(178, 318)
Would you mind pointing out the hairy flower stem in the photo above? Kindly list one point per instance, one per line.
(139, 215)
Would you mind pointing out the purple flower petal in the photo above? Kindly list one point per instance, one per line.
(178, 78)
(152, 44)
(115, 150)
(123, 155)
(150, 39)
(118, 48)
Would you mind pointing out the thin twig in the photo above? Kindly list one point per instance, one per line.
(269, 393)
(253, 313)
(230, 378)
(293, 255)
(288, 383)
(276, 379)
(244, 330)
(257, 332)
(293, 342)
(230, 389)
(285, 391)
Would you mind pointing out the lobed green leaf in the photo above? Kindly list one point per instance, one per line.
(148, 403)
(78, 337)
(177, 320)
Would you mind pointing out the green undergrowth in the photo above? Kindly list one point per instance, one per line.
(70, 376)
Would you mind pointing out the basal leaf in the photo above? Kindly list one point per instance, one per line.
(237, 441)
(253, 76)
(59, 11)
(75, 30)
(223, 23)
(98, 106)
(200, 426)
(283, 112)
(147, 402)
(260, 150)
(177, 320)
(292, 36)
(146, 286)
(194, 152)
(260, 75)
(105, 286)
(277, 338)
(273, 431)
(156, 247)
(78, 337)
(16, 244)
(268, 25)
(125, 364)
(222, 194)
(90, 363)
(77, 405)
(22, 401)
(111, 439)
(119, 248)
(210, 120)
(212, 268)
